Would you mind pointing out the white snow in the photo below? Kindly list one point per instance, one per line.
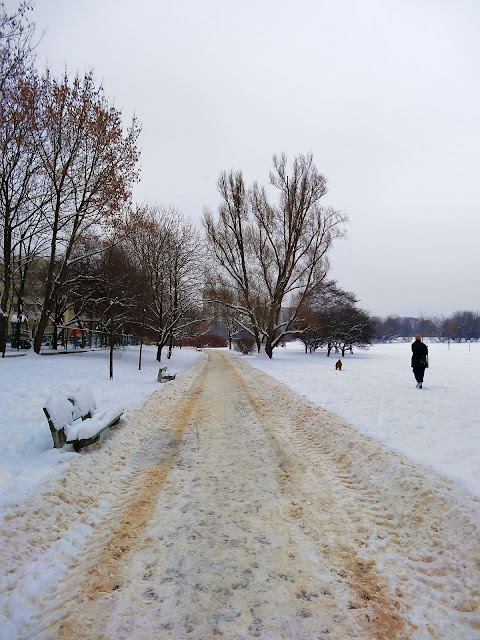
(61, 507)
(438, 426)
(84, 429)
(83, 402)
(60, 410)
(375, 391)
(27, 456)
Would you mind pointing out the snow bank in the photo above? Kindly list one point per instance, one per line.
(84, 429)
(375, 391)
(27, 456)
(66, 412)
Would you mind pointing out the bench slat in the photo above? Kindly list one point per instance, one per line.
(84, 442)
(91, 427)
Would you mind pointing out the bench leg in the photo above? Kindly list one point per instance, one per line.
(59, 439)
(79, 444)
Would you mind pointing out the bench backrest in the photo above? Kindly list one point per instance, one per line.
(83, 402)
(59, 411)
(63, 408)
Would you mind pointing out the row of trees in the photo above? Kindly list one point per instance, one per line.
(142, 278)
(149, 272)
(70, 238)
(268, 256)
(459, 326)
(333, 320)
(67, 167)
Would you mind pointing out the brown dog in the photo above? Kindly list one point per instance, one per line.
(338, 365)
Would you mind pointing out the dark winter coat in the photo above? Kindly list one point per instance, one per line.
(419, 355)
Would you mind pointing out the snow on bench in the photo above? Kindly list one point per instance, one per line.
(74, 418)
(163, 376)
(83, 401)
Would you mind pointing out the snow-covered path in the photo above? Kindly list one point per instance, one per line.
(228, 506)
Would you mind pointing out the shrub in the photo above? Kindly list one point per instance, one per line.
(205, 340)
(245, 345)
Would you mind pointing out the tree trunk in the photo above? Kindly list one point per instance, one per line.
(50, 293)
(42, 323)
(7, 257)
(3, 321)
(141, 343)
(111, 350)
(268, 347)
(112, 315)
(3, 333)
(18, 331)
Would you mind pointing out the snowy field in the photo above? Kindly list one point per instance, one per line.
(375, 391)
(137, 537)
(27, 456)
(437, 426)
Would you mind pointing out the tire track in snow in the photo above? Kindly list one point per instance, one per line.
(117, 492)
(128, 526)
(252, 513)
(381, 615)
(220, 557)
(421, 527)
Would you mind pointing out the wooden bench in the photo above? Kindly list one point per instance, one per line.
(74, 418)
(163, 376)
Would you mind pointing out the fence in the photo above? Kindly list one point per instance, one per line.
(71, 338)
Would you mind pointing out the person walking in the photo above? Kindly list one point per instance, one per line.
(419, 359)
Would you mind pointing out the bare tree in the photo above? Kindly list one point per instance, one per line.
(220, 302)
(89, 165)
(16, 43)
(168, 252)
(274, 253)
(106, 289)
(231, 247)
(19, 205)
(334, 320)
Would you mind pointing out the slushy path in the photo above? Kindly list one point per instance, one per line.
(236, 509)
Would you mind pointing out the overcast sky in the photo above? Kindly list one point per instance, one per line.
(385, 94)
